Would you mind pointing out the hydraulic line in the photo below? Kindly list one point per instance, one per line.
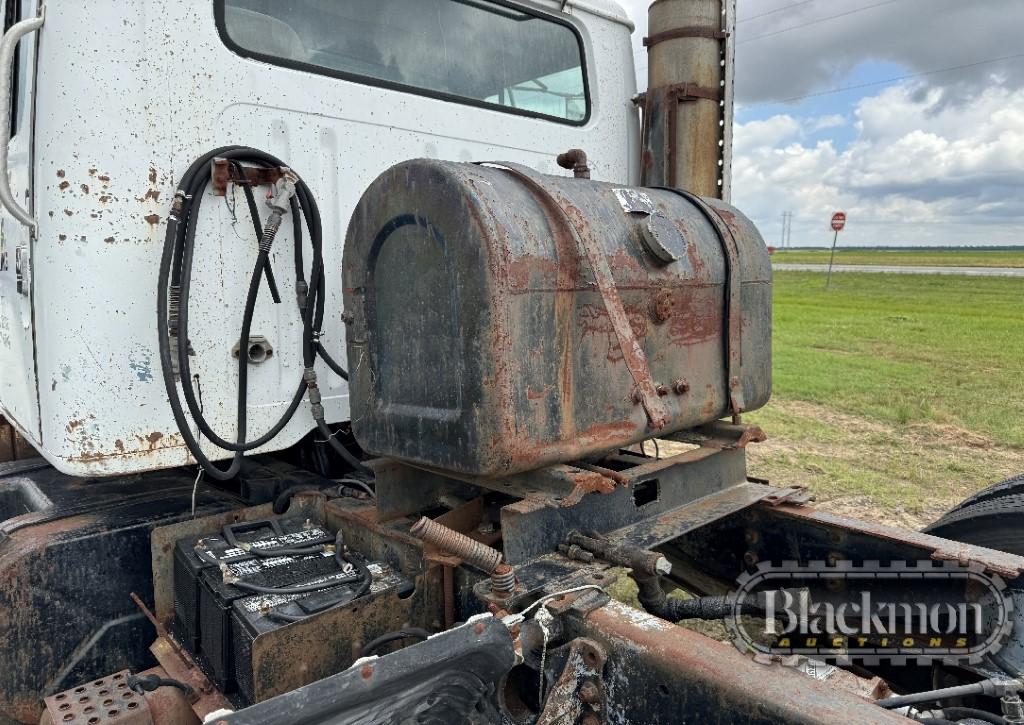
(362, 575)
(142, 684)
(992, 688)
(299, 589)
(294, 197)
(410, 633)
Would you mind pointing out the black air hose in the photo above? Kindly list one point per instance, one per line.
(341, 555)
(972, 713)
(173, 306)
(148, 683)
(410, 633)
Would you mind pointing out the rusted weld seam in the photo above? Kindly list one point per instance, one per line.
(692, 91)
(690, 31)
(632, 353)
(733, 301)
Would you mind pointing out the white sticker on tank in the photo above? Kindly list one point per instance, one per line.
(634, 201)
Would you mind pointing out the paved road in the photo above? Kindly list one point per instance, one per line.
(968, 271)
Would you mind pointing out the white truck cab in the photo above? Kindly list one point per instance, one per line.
(111, 101)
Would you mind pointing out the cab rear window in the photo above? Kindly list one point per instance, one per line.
(470, 51)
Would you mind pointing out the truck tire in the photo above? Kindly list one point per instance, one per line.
(1014, 484)
(993, 518)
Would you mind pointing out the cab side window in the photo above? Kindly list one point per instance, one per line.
(480, 52)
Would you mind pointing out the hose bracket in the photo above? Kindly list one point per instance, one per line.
(227, 172)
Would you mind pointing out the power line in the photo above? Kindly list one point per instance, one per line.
(897, 79)
(776, 10)
(815, 22)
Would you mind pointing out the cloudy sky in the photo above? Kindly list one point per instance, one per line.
(935, 158)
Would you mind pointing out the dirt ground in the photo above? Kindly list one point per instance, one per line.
(901, 475)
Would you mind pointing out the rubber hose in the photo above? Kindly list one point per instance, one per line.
(962, 713)
(300, 589)
(175, 280)
(891, 703)
(410, 633)
(285, 497)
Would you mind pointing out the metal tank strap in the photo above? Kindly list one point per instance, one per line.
(632, 353)
(733, 301)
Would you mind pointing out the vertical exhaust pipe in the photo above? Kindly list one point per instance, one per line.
(687, 108)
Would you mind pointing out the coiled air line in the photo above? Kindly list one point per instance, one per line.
(174, 286)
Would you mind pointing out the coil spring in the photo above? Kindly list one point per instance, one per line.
(472, 552)
(173, 304)
(270, 231)
(503, 579)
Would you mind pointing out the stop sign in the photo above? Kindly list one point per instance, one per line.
(838, 221)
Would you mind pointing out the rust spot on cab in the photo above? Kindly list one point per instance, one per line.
(64, 185)
(60, 173)
(152, 175)
(152, 219)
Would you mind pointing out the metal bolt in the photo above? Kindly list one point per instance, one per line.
(751, 536)
(578, 553)
(590, 693)
(750, 558)
(590, 719)
(662, 389)
(503, 579)
(680, 386)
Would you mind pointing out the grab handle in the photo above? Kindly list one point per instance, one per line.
(8, 46)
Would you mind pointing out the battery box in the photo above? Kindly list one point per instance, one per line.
(253, 616)
(219, 621)
(193, 555)
(203, 598)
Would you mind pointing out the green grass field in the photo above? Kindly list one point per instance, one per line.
(922, 257)
(894, 395)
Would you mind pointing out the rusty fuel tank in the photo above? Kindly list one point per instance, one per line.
(500, 320)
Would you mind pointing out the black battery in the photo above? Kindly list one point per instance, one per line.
(259, 614)
(200, 592)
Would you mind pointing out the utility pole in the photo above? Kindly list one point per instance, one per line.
(787, 229)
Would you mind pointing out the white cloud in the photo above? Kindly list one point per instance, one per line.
(918, 170)
(835, 120)
(769, 132)
(936, 160)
